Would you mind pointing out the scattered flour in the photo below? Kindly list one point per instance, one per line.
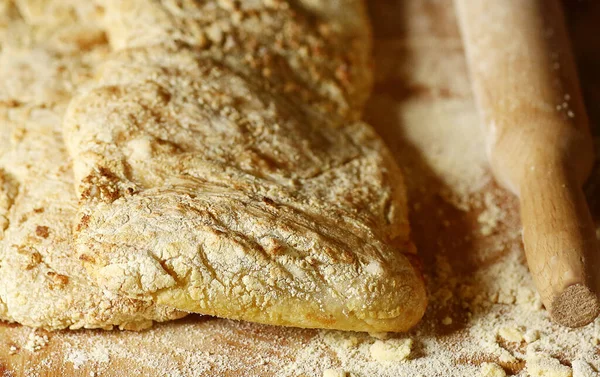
(531, 336)
(440, 128)
(35, 341)
(583, 369)
(77, 357)
(490, 216)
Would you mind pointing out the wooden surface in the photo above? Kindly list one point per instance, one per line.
(421, 80)
(538, 139)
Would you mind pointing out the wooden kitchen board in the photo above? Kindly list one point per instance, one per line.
(465, 227)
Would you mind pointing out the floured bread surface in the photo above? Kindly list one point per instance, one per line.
(48, 48)
(222, 167)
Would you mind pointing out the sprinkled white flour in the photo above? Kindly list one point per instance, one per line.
(78, 357)
(35, 342)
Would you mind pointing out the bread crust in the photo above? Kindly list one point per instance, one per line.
(222, 167)
(211, 160)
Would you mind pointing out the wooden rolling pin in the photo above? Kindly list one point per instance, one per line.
(538, 142)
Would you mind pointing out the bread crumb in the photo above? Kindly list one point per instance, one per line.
(506, 357)
(511, 334)
(492, 370)
(334, 373)
(13, 350)
(391, 349)
(447, 321)
(531, 336)
(544, 366)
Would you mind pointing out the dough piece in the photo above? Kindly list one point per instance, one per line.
(334, 373)
(222, 168)
(492, 370)
(42, 281)
(391, 350)
(511, 334)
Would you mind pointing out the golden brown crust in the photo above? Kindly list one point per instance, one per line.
(222, 169)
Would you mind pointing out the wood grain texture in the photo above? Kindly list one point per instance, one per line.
(415, 40)
(538, 142)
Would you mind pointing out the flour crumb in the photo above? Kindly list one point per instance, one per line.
(447, 321)
(544, 366)
(35, 342)
(334, 373)
(506, 357)
(391, 350)
(581, 368)
(491, 215)
(13, 350)
(511, 334)
(492, 370)
(531, 336)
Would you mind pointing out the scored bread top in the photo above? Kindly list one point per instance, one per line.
(222, 167)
